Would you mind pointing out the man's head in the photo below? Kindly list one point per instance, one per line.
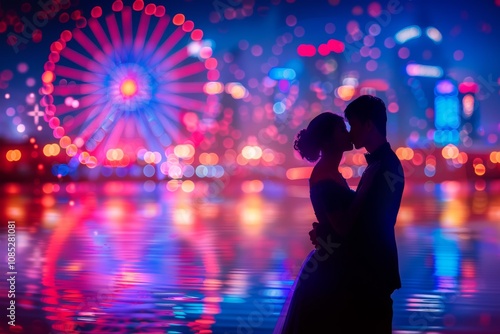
(367, 117)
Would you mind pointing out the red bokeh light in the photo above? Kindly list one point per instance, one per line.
(323, 49)
(66, 35)
(64, 17)
(179, 19)
(306, 50)
(336, 46)
(96, 12)
(117, 6)
(188, 26)
(138, 5)
(150, 9)
(197, 34)
(160, 11)
(76, 15)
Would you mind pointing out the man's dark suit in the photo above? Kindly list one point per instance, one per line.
(372, 261)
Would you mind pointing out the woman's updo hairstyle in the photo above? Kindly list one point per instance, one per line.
(310, 141)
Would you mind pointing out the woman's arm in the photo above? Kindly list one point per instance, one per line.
(336, 214)
(338, 220)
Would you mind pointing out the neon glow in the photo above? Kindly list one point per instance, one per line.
(378, 84)
(306, 50)
(417, 70)
(468, 105)
(280, 73)
(336, 46)
(128, 87)
(434, 34)
(445, 87)
(447, 120)
(408, 33)
(468, 87)
(447, 112)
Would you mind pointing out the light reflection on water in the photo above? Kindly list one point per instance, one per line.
(116, 258)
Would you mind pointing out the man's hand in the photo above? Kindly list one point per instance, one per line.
(312, 234)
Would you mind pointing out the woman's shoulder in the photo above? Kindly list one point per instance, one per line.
(327, 180)
(318, 177)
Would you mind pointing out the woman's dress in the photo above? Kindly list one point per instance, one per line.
(316, 296)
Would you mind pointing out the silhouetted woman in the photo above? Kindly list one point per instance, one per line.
(315, 301)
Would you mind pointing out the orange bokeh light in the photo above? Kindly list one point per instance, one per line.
(480, 169)
(13, 155)
(213, 87)
(48, 77)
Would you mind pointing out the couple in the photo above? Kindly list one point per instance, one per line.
(345, 284)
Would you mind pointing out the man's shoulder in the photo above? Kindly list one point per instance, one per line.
(391, 160)
(390, 169)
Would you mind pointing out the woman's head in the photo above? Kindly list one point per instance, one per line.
(326, 133)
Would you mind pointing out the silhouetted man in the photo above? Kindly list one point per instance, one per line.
(372, 263)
